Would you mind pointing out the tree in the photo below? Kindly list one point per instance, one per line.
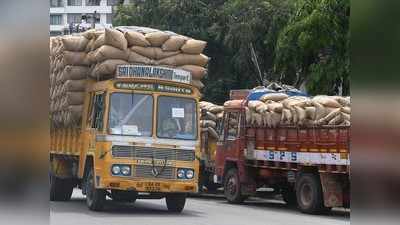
(313, 48)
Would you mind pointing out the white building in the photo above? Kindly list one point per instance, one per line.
(67, 14)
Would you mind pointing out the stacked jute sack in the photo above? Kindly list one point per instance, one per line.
(68, 79)
(211, 114)
(137, 45)
(275, 109)
(95, 54)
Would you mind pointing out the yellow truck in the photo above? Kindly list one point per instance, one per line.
(138, 139)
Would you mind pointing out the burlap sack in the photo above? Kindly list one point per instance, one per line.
(310, 112)
(287, 117)
(336, 120)
(106, 68)
(100, 41)
(76, 58)
(296, 101)
(75, 98)
(75, 43)
(233, 103)
(136, 39)
(276, 97)
(209, 116)
(134, 57)
(76, 111)
(194, 46)
(345, 116)
(300, 114)
(248, 115)
(197, 72)
(212, 133)
(233, 122)
(208, 123)
(266, 118)
(174, 43)
(216, 109)
(220, 115)
(108, 52)
(261, 108)
(256, 119)
(346, 109)
(153, 52)
(275, 119)
(275, 107)
(342, 100)
(254, 104)
(185, 59)
(157, 39)
(198, 84)
(329, 117)
(320, 111)
(115, 38)
(326, 101)
(90, 45)
(75, 85)
(345, 123)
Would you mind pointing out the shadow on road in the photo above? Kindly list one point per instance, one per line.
(143, 208)
(274, 205)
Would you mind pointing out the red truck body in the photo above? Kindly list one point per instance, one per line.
(307, 165)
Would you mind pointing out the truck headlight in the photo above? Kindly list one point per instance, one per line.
(116, 170)
(181, 174)
(126, 170)
(189, 174)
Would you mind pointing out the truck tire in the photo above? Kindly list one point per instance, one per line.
(232, 187)
(60, 189)
(309, 194)
(175, 202)
(95, 198)
(123, 196)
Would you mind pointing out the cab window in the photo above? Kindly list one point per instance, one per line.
(232, 121)
(97, 111)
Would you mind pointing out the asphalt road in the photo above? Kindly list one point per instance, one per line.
(198, 211)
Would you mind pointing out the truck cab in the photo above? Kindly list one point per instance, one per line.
(139, 138)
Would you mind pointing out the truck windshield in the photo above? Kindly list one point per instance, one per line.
(176, 118)
(131, 114)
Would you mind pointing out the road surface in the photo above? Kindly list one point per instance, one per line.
(198, 211)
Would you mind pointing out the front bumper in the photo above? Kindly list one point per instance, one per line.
(148, 185)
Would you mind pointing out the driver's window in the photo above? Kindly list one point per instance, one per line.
(232, 126)
(97, 112)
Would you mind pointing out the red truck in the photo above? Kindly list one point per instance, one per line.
(308, 166)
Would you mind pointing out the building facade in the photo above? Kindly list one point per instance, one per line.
(70, 15)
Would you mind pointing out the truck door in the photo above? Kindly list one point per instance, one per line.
(94, 124)
(227, 148)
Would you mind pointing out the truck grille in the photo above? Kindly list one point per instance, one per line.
(119, 151)
(146, 172)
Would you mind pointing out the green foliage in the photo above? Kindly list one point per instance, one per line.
(313, 48)
(294, 40)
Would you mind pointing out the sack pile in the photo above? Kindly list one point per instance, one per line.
(95, 55)
(68, 79)
(137, 45)
(211, 114)
(276, 109)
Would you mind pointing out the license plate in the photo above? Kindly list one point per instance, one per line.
(152, 186)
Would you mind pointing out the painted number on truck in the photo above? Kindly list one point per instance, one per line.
(302, 157)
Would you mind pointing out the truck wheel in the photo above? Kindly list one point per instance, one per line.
(309, 194)
(175, 202)
(95, 198)
(60, 189)
(232, 187)
(289, 196)
(123, 196)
